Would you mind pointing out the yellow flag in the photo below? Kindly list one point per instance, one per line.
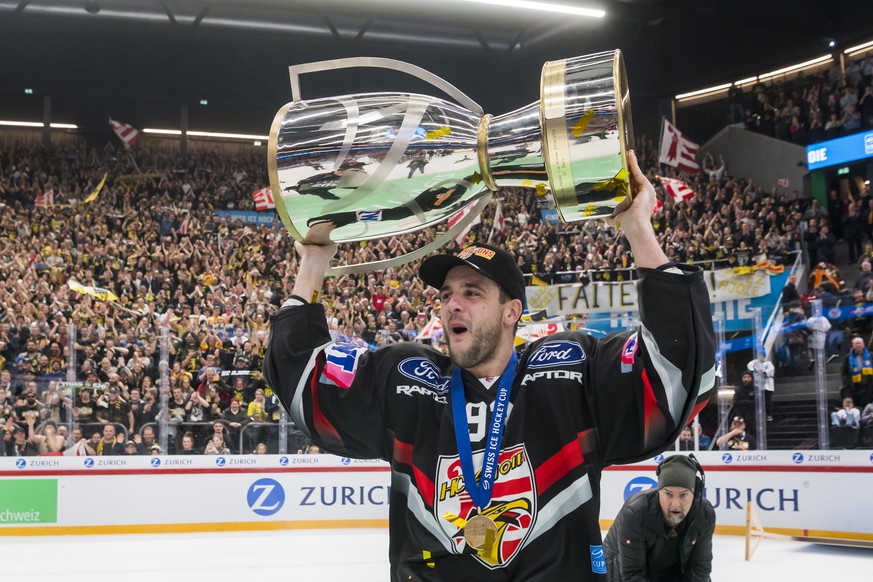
(96, 292)
(93, 195)
(537, 281)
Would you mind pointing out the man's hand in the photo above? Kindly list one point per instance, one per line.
(315, 256)
(636, 220)
(639, 211)
(317, 245)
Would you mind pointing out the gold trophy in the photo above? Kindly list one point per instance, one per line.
(383, 164)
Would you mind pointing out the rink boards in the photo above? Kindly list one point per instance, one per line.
(793, 492)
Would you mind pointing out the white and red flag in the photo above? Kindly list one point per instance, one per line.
(45, 200)
(677, 189)
(264, 199)
(499, 225)
(434, 328)
(677, 150)
(461, 236)
(128, 134)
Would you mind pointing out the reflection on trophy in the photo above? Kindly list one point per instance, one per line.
(383, 164)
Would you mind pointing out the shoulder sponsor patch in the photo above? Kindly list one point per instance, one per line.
(425, 373)
(341, 364)
(628, 353)
(556, 353)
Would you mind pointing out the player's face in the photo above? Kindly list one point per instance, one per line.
(471, 316)
(675, 503)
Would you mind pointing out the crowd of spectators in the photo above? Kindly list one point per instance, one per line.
(154, 240)
(809, 108)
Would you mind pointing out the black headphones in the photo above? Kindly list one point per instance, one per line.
(699, 475)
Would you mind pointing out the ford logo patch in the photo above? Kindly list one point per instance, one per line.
(556, 353)
(425, 372)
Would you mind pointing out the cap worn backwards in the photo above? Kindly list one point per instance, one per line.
(492, 262)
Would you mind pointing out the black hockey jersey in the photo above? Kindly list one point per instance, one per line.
(578, 403)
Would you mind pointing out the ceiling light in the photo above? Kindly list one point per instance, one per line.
(163, 131)
(245, 136)
(860, 47)
(702, 92)
(38, 124)
(22, 123)
(544, 7)
(797, 67)
(793, 68)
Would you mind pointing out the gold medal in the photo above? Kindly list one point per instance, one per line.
(480, 532)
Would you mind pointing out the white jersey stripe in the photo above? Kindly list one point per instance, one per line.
(574, 496)
(670, 375)
(402, 483)
(296, 408)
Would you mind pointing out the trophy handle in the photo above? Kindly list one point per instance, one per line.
(381, 63)
(421, 252)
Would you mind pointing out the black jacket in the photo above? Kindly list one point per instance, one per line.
(635, 544)
(578, 403)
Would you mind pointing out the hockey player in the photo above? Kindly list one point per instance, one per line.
(496, 459)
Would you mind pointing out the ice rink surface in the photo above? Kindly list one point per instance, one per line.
(342, 555)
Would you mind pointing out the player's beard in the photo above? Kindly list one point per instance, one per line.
(483, 346)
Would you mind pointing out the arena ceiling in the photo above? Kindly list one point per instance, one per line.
(139, 59)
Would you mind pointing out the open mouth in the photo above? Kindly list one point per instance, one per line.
(458, 330)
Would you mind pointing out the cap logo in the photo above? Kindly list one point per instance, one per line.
(478, 251)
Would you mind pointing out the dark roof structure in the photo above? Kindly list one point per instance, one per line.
(140, 59)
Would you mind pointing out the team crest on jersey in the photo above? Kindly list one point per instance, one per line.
(628, 353)
(556, 353)
(512, 508)
(424, 372)
(341, 364)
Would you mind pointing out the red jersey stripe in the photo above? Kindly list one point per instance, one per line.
(403, 454)
(558, 465)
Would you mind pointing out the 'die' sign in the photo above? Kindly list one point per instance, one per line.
(842, 150)
(816, 156)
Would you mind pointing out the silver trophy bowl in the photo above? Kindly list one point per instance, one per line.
(382, 164)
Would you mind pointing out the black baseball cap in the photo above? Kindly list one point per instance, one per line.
(496, 264)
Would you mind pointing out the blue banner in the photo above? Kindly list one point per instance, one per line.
(737, 313)
(258, 218)
(738, 344)
(839, 151)
(550, 215)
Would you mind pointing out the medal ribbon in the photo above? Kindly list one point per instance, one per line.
(480, 492)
